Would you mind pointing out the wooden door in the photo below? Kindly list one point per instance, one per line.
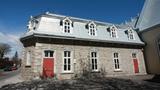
(48, 64)
(136, 67)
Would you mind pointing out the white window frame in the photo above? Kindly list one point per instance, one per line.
(28, 58)
(92, 29)
(67, 26)
(116, 61)
(130, 34)
(135, 55)
(67, 58)
(94, 61)
(113, 32)
(49, 54)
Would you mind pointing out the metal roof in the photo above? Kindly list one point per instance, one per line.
(80, 32)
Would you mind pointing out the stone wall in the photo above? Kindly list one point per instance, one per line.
(79, 54)
(105, 60)
(27, 70)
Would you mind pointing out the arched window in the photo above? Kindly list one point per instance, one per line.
(67, 25)
(130, 34)
(92, 29)
(113, 32)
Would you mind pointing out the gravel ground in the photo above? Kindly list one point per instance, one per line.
(83, 84)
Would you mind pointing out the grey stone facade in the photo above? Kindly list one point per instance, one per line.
(82, 53)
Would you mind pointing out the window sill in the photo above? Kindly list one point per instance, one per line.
(27, 66)
(67, 72)
(95, 71)
(118, 70)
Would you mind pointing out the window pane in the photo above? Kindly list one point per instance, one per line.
(65, 61)
(92, 61)
(95, 66)
(51, 53)
(92, 67)
(117, 61)
(92, 54)
(65, 53)
(65, 67)
(95, 61)
(46, 53)
(69, 61)
(95, 54)
(69, 67)
(134, 55)
(69, 54)
(115, 66)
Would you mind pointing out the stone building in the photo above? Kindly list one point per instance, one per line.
(62, 47)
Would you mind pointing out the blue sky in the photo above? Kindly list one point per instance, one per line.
(14, 14)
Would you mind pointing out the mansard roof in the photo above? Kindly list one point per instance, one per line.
(81, 33)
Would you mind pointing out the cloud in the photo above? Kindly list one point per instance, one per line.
(13, 41)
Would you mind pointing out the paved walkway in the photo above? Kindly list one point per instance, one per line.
(11, 80)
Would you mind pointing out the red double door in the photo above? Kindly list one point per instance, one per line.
(48, 67)
(136, 67)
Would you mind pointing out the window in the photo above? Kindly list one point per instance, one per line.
(67, 25)
(116, 61)
(32, 24)
(130, 34)
(92, 29)
(67, 61)
(113, 32)
(48, 53)
(94, 61)
(134, 55)
(28, 58)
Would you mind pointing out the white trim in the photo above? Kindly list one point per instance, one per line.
(43, 56)
(137, 58)
(113, 31)
(131, 32)
(71, 62)
(97, 57)
(118, 69)
(93, 29)
(28, 58)
(70, 26)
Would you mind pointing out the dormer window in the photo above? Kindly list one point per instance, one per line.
(130, 34)
(67, 25)
(92, 29)
(113, 32)
(32, 24)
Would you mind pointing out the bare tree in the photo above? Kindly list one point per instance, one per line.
(4, 49)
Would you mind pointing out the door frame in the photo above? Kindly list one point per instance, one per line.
(43, 56)
(137, 62)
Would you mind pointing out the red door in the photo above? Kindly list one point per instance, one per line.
(136, 68)
(48, 67)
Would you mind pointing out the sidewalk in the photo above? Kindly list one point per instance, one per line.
(11, 80)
